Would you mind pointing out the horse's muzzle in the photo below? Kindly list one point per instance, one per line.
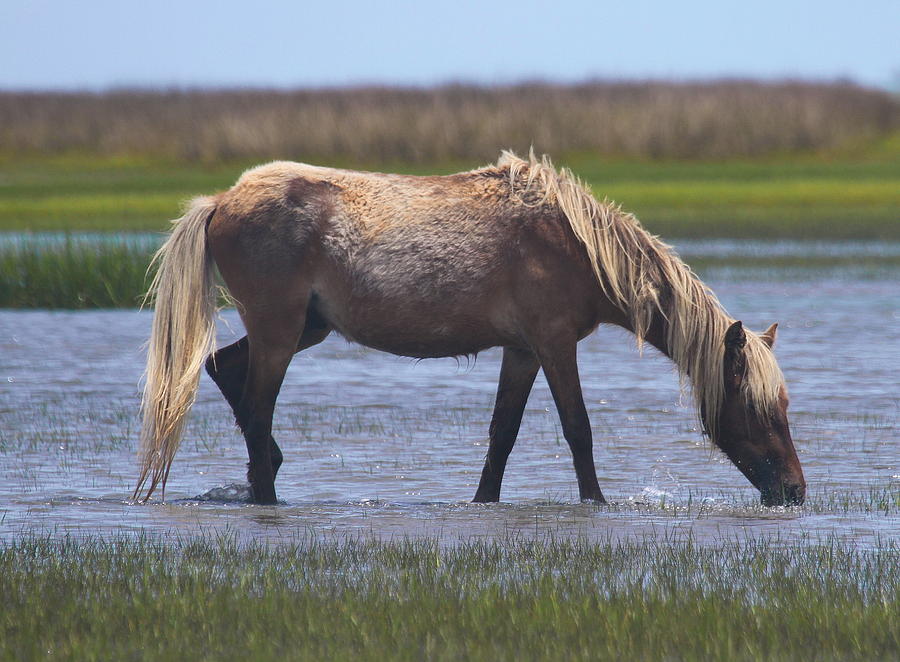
(784, 495)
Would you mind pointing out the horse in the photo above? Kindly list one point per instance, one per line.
(518, 255)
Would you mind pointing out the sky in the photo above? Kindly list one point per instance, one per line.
(101, 44)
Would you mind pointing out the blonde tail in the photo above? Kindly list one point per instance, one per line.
(183, 336)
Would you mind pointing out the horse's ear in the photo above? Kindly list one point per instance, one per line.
(735, 337)
(768, 336)
(735, 361)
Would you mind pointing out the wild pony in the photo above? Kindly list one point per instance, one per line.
(517, 255)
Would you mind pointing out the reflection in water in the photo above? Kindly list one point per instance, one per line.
(381, 445)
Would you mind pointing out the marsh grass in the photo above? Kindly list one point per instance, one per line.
(357, 598)
(718, 159)
(69, 272)
(646, 119)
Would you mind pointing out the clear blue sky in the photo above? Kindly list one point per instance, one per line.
(104, 43)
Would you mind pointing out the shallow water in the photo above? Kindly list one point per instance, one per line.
(377, 444)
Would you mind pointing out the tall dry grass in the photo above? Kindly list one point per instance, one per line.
(372, 124)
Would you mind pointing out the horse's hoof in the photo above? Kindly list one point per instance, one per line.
(263, 497)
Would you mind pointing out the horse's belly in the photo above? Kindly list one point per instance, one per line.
(421, 329)
(421, 340)
(432, 298)
(423, 347)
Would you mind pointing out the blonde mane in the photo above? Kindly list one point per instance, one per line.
(643, 277)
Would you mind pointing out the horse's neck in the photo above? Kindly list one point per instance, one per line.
(657, 333)
(660, 333)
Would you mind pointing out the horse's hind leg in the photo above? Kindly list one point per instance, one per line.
(272, 341)
(228, 369)
(561, 370)
(517, 373)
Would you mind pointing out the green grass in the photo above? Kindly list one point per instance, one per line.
(844, 195)
(73, 273)
(88, 194)
(654, 599)
(838, 196)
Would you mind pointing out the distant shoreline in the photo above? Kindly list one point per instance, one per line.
(425, 125)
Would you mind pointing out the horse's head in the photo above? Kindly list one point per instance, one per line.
(757, 439)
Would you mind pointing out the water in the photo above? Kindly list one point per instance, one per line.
(382, 445)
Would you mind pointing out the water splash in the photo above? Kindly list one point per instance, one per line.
(232, 493)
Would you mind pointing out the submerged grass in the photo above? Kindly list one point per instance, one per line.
(64, 437)
(658, 598)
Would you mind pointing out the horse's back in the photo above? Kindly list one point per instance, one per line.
(426, 235)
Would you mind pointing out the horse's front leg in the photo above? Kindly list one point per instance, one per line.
(560, 366)
(517, 374)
